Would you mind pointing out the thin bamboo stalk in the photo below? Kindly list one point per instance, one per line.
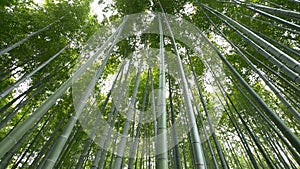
(161, 144)
(28, 37)
(92, 135)
(218, 147)
(27, 96)
(256, 141)
(8, 142)
(6, 91)
(291, 63)
(51, 138)
(199, 157)
(135, 142)
(60, 142)
(278, 122)
(291, 109)
(271, 24)
(288, 49)
(285, 81)
(174, 133)
(105, 140)
(35, 139)
(284, 12)
(228, 110)
(131, 108)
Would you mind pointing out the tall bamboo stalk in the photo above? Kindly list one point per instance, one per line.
(161, 144)
(199, 157)
(279, 123)
(135, 143)
(13, 137)
(55, 152)
(131, 109)
(261, 75)
(11, 47)
(174, 133)
(284, 12)
(28, 76)
(291, 63)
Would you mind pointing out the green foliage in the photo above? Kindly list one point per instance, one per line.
(241, 116)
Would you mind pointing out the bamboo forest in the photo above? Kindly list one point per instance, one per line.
(144, 84)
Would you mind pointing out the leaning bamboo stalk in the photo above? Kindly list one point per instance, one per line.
(6, 91)
(105, 140)
(289, 107)
(136, 140)
(234, 154)
(153, 105)
(288, 13)
(252, 135)
(250, 125)
(27, 96)
(295, 1)
(11, 47)
(241, 135)
(267, 55)
(296, 156)
(212, 130)
(184, 155)
(264, 9)
(8, 66)
(271, 24)
(174, 133)
(291, 50)
(60, 142)
(276, 4)
(46, 146)
(202, 121)
(264, 118)
(206, 135)
(92, 135)
(20, 159)
(8, 142)
(5, 161)
(270, 143)
(289, 94)
(228, 110)
(271, 114)
(291, 85)
(199, 157)
(280, 149)
(273, 41)
(291, 63)
(114, 147)
(131, 109)
(68, 146)
(89, 141)
(106, 137)
(276, 18)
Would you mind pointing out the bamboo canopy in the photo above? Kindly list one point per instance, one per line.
(157, 84)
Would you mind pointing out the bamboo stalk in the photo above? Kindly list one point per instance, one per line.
(291, 63)
(261, 75)
(161, 144)
(8, 142)
(199, 157)
(131, 108)
(11, 47)
(284, 12)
